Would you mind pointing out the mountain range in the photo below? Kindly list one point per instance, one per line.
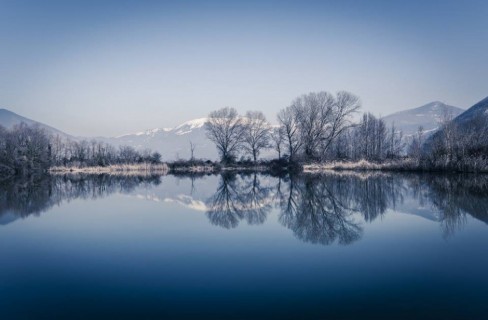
(174, 143)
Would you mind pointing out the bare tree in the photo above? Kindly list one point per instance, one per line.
(225, 128)
(192, 151)
(319, 119)
(396, 145)
(449, 133)
(278, 138)
(313, 113)
(371, 138)
(346, 104)
(256, 133)
(291, 132)
(415, 149)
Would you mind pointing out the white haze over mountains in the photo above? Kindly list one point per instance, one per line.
(174, 143)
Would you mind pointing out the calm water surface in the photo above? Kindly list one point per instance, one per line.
(245, 246)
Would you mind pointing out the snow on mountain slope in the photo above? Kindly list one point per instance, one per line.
(189, 126)
(172, 143)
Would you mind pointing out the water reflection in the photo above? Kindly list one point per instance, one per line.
(454, 197)
(316, 213)
(239, 197)
(322, 209)
(33, 195)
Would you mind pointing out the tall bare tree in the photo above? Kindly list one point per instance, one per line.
(346, 104)
(415, 149)
(225, 128)
(316, 120)
(313, 113)
(291, 132)
(278, 139)
(192, 151)
(256, 133)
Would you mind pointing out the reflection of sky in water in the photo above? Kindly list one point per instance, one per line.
(151, 250)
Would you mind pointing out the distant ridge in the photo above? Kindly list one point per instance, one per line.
(9, 119)
(428, 116)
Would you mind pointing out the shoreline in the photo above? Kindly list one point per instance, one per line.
(132, 169)
(406, 165)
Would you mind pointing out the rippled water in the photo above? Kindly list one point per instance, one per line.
(245, 246)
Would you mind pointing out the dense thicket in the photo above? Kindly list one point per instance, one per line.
(456, 147)
(370, 140)
(25, 149)
(95, 153)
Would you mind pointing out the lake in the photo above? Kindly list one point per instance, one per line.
(245, 246)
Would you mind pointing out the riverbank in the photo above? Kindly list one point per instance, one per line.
(363, 165)
(119, 169)
(475, 165)
(179, 167)
(272, 167)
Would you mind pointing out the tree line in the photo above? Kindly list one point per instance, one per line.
(320, 127)
(25, 149)
(316, 127)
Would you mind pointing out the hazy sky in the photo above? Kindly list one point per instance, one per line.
(114, 67)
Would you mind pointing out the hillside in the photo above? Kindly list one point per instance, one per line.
(428, 116)
(474, 114)
(9, 119)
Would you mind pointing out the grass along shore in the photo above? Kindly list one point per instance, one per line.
(117, 169)
(363, 165)
(274, 166)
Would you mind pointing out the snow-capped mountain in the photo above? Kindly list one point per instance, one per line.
(172, 143)
(428, 116)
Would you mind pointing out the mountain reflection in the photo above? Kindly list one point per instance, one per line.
(454, 197)
(321, 209)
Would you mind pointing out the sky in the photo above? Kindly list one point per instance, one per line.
(107, 68)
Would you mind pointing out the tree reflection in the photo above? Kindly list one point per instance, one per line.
(323, 209)
(32, 195)
(454, 197)
(239, 197)
(318, 214)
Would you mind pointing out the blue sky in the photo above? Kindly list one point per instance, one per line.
(113, 67)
